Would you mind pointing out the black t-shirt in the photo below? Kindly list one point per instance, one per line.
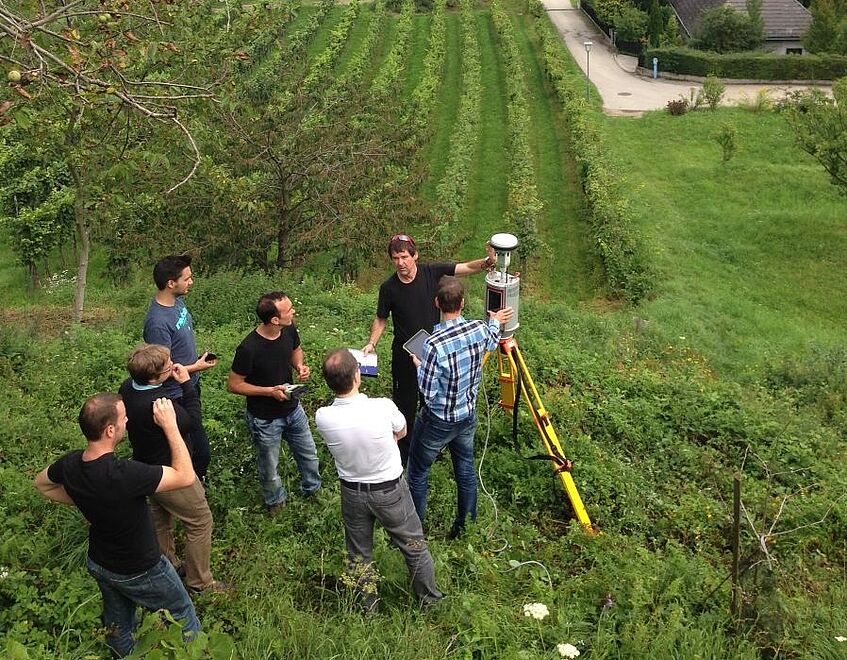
(267, 362)
(111, 494)
(412, 305)
(149, 444)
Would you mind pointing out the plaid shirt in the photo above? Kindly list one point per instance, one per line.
(449, 375)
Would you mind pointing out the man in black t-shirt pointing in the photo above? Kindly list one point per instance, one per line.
(408, 296)
(123, 555)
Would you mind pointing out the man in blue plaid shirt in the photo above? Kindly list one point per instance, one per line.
(448, 378)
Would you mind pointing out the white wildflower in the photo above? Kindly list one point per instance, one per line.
(536, 610)
(4, 572)
(567, 650)
(841, 638)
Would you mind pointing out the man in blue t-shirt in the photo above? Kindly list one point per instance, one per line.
(169, 324)
(123, 555)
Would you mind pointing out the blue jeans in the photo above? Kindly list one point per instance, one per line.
(267, 435)
(155, 589)
(429, 437)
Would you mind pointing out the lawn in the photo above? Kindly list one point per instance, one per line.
(751, 252)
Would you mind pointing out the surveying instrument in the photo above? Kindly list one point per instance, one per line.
(502, 289)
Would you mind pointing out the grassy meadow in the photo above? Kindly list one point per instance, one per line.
(739, 368)
(751, 251)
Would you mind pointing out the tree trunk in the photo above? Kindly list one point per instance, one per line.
(82, 263)
(281, 235)
(282, 230)
(84, 234)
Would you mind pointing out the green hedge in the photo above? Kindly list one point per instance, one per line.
(621, 246)
(750, 66)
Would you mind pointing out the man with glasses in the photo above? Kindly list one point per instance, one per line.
(408, 296)
(149, 366)
(262, 372)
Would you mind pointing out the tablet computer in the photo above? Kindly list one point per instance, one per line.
(415, 345)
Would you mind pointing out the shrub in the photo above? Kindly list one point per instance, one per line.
(725, 29)
(678, 106)
(801, 101)
(726, 136)
(762, 102)
(713, 90)
(621, 246)
(755, 66)
(630, 23)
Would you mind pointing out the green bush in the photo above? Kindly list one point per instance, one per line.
(752, 66)
(630, 23)
(724, 29)
(727, 137)
(619, 244)
(713, 91)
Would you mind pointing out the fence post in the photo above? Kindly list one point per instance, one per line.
(736, 545)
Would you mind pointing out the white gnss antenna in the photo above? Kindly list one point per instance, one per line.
(501, 288)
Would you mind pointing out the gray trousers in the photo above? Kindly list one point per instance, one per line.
(394, 509)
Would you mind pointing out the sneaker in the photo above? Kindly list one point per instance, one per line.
(315, 497)
(274, 509)
(430, 603)
(369, 604)
(217, 587)
(455, 532)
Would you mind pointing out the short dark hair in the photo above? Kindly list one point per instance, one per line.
(147, 362)
(401, 243)
(97, 413)
(450, 294)
(339, 369)
(169, 268)
(266, 307)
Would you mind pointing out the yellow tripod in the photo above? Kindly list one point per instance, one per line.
(515, 380)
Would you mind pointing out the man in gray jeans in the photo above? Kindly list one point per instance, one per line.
(361, 434)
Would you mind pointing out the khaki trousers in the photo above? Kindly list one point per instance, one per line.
(189, 506)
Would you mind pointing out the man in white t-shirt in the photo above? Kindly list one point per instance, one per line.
(361, 434)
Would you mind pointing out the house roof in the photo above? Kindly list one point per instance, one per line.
(783, 19)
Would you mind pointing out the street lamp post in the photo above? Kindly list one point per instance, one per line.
(588, 45)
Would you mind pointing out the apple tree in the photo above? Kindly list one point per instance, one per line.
(90, 85)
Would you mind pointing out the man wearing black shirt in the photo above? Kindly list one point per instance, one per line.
(150, 366)
(408, 296)
(123, 556)
(262, 372)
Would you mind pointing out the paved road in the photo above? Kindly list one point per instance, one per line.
(623, 92)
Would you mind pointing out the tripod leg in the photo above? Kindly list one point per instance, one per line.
(548, 435)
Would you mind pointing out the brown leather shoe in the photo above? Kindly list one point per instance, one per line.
(217, 587)
(275, 509)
